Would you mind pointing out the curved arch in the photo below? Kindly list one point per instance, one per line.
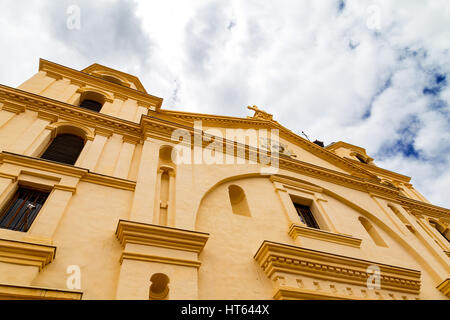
(64, 148)
(102, 74)
(166, 154)
(65, 127)
(365, 213)
(238, 200)
(92, 92)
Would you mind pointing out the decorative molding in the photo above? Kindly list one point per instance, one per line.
(100, 70)
(106, 95)
(162, 129)
(64, 169)
(159, 259)
(40, 164)
(444, 287)
(65, 188)
(26, 253)
(103, 131)
(109, 181)
(290, 293)
(419, 208)
(297, 230)
(280, 258)
(130, 139)
(45, 115)
(159, 236)
(69, 112)
(14, 292)
(292, 184)
(143, 98)
(8, 176)
(323, 153)
(13, 106)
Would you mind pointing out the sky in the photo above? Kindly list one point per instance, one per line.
(371, 73)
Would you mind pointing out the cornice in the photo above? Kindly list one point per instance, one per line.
(159, 236)
(297, 230)
(290, 293)
(15, 292)
(347, 145)
(144, 99)
(13, 106)
(322, 153)
(162, 129)
(96, 68)
(26, 253)
(391, 174)
(159, 259)
(40, 164)
(64, 169)
(418, 208)
(68, 112)
(444, 287)
(109, 181)
(275, 257)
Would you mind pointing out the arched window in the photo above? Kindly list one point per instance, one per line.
(65, 148)
(373, 233)
(92, 101)
(159, 290)
(361, 158)
(112, 79)
(238, 201)
(441, 229)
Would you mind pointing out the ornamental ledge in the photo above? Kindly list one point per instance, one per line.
(296, 230)
(159, 236)
(26, 253)
(280, 258)
(15, 292)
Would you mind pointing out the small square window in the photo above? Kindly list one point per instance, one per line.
(22, 209)
(306, 216)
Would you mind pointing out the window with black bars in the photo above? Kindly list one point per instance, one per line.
(306, 216)
(22, 209)
(91, 105)
(65, 148)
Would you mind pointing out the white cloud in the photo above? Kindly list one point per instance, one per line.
(318, 69)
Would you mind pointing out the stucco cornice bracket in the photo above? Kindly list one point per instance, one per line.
(159, 236)
(296, 230)
(276, 258)
(26, 253)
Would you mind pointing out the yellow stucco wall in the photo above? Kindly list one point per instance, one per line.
(103, 214)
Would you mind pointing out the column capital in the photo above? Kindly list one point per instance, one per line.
(103, 131)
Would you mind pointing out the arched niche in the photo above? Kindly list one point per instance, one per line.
(159, 289)
(377, 239)
(238, 200)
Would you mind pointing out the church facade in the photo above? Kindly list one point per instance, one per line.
(106, 195)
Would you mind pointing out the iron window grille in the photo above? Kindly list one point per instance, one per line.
(306, 216)
(22, 209)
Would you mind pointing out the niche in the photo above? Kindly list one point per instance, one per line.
(238, 201)
(373, 233)
(165, 188)
(159, 289)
